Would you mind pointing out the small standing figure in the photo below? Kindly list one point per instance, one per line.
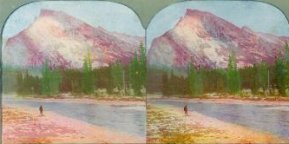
(41, 110)
(186, 109)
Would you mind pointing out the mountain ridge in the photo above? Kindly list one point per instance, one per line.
(65, 41)
(207, 40)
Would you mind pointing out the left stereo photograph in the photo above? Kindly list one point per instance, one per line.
(73, 72)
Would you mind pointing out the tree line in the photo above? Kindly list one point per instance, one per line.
(259, 79)
(118, 78)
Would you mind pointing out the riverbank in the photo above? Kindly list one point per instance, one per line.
(91, 101)
(230, 100)
(169, 125)
(25, 125)
(103, 100)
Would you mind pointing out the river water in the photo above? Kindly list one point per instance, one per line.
(132, 119)
(273, 119)
(128, 119)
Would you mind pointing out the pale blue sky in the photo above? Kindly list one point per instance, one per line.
(111, 16)
(260, 17)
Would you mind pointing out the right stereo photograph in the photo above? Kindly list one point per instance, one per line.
(218, 72)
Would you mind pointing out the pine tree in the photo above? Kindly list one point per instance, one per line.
(135, 75)
(142, 65)
(281, 76)
(195, 81)
(281, 71)
(50, 82)
(137, 71)
(218, 79)
(253, 78)
(45, 81)
(55, 81)
(233, 76)
(87, 77)
(262, 76)
(117, 72)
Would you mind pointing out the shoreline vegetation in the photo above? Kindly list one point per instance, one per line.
(140, 100)
(227, 100)
(107, 100)
(84, 98)
(169, 125)
(27, 126)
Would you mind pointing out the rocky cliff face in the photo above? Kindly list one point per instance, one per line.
(204, 39)
(65, 41)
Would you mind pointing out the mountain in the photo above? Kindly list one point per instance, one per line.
(207, 40)
(64, 41)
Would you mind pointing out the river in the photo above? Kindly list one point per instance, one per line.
(273, 119)
(128, 119)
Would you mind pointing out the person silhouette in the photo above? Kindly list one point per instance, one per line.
(41, 110)
(186, 109)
